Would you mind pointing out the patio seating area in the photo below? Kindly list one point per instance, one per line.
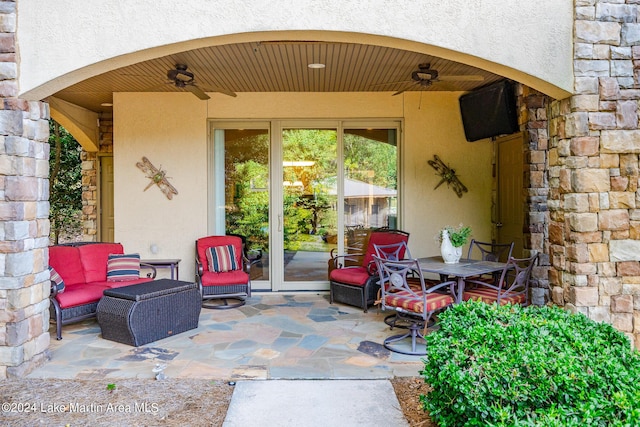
(273, 336)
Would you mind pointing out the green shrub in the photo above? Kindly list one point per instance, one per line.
(495, 365)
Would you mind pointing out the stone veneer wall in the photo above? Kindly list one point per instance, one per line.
(24, 216)
(90, 163)
(594, 230)
(534, 107)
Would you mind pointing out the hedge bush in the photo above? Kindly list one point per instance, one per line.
(494, 365)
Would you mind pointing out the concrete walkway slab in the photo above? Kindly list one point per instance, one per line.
(310, 403)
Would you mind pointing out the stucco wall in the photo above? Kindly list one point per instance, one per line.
(66, 41)
(170, 129)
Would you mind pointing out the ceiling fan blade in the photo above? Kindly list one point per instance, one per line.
(224, 91)
(197, 92)
(468, 78)
(399, 92)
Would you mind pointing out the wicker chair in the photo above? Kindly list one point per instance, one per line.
(511, 288)
(357, 285)
(222, 271)
(413, 305)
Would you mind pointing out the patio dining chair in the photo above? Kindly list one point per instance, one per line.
(512, 286)
(488, 251)
(413, 305)
(222, 271)
(357, 285)
(392, 251)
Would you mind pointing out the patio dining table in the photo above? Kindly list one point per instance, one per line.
(461, 270)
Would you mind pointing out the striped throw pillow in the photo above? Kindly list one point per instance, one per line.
(57, 280)
(122, 267)
(222, 258)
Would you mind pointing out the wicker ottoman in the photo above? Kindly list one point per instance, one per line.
(143, 313)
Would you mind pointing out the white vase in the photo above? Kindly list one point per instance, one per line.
(450, 254)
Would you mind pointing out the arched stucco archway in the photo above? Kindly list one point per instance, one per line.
(104, 36)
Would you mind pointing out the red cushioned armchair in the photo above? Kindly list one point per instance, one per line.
(358, 285)
(222, 271)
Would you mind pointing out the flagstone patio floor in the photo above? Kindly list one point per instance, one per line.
(273, 336)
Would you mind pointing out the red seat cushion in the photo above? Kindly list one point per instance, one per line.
(491, 295)
(80, 294)
(409, 302)
(66, 261)
(235, 277)
(94, 259)
(350, 275)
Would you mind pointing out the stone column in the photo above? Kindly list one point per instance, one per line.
(24, 216)
(536, 179)
(90, 163)
(595, 223)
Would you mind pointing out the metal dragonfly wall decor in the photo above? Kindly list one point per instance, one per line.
(158, 177)
(448, 176)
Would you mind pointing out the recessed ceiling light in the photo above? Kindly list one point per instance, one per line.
(107, 104)
(316, 65)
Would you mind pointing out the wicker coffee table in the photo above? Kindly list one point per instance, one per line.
(143, 313)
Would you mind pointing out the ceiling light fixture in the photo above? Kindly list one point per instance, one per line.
(316, 65)
(107, 104)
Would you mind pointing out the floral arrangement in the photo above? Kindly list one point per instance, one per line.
(458, 236)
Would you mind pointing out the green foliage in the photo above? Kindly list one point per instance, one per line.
(363, 156)
(309, 208)
(458, 236)
(249, 215)
(65, 182)
(506, 365)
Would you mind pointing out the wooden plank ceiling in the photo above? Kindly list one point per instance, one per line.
(280, 66)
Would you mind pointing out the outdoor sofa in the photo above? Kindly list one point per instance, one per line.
(80, 272)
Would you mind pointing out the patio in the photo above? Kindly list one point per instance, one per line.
(274, 336)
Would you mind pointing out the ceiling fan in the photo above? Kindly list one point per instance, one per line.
(184, 79)
(426, 76)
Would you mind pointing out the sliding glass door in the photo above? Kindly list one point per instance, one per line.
(309, 206)
(239, 188)
(299, 190)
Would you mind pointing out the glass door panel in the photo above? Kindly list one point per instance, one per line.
(370, 184)
(309, 182)
(242, 194)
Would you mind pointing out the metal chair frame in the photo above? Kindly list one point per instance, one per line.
(513, 283)
(413, 305)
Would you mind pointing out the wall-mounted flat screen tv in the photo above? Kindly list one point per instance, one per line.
(489, 111)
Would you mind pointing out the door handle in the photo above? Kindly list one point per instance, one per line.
(279, 223)
(498, 224)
